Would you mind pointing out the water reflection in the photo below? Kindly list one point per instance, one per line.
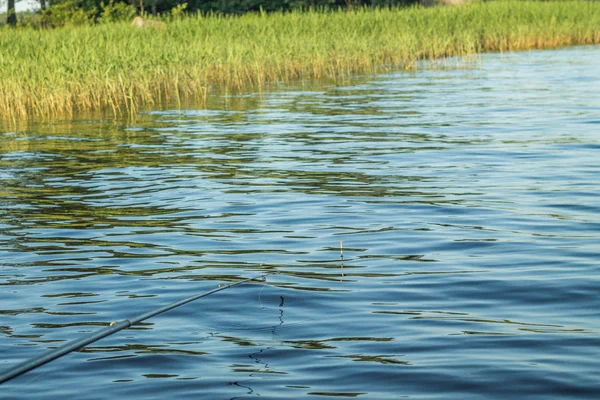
(466, 201)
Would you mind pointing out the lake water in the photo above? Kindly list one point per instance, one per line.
(467, 200)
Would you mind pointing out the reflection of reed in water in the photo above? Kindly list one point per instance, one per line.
(258, 356)
(281, 303)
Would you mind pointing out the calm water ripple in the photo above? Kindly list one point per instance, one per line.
(466, 199)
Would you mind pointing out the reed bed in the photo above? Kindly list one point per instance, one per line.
(120, 69)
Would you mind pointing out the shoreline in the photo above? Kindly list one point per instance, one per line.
(119, 69)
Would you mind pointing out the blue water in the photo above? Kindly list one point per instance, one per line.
(467, 200)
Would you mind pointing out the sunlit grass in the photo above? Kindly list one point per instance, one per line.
(119, 69)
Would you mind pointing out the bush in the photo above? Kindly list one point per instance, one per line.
(114, 12)
(178, 12)
(67, 12)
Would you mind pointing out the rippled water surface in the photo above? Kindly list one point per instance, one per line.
(467, 201)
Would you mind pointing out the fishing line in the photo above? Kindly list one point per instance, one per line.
(259, 293)
(114, 327)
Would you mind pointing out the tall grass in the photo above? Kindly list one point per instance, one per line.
(120, 69)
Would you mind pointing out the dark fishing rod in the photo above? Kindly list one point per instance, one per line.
(114, 327)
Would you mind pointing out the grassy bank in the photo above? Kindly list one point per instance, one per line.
(120, 68)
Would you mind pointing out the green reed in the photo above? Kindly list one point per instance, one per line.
(120, 69)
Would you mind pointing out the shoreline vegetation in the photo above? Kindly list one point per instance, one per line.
(120, 69)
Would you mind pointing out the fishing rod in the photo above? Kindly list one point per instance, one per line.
(114, 327)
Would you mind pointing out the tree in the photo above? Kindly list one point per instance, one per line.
(11, 14)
